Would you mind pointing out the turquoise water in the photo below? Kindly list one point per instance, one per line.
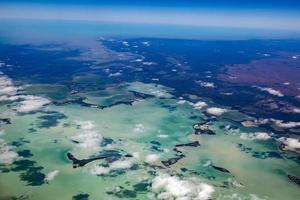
(132, 128)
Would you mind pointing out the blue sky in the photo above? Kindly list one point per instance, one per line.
(259, 16)
(266, 4)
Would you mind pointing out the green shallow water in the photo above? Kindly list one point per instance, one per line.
(132, 128)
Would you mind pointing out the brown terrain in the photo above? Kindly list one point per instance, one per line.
(281, 74)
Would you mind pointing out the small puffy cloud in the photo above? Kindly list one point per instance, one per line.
(181, 101)
(233, 183)
(88, 137)
(162, 136)
(125, 43)
(282, 124)
(199, 105)
(7, 154)
(216, 111)
(28, 103)
(86, 125)
(139, 128)
(296, 110)
(6, 86)
(146, 43)
(291, 144)
(8, 90)
(249, 123)
(152, 158)
(156, 90)
(139, 60)
(255, 136)
(172, 187)
(148, 63)
(206, 84)
(31, 103)
(99, 170)
(117, 165)
(136, 155)
(271, 91)
(122, 164)
(5, 81)
(236, 196)
(254, 123)
(51, 175)
(115, 74)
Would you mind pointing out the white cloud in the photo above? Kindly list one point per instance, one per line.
(249, 123)
(86, 125)
(296, 110)
(172, 187)
(99, 170)
(7, 155)
(136, 155)
(255, 136)
(152, 158)
(206, 84)
(122, 164)
(88, 137)
(148, 63)
(125, 43)
(294, 57)
(6, 86)
(255, 122)
(181, 101)
(146, 43)
(281, 124)
(51, 175)
(162, 136)
(233, 183)
(115, 74)
(139, 60)
(8, 90)
(139, 128)
(271, 91)
(117, 165)
(236, 196)
(216, 111)
(292, 144)
(31, 103)
(28, 103)
(199, 105)
(156, 90)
